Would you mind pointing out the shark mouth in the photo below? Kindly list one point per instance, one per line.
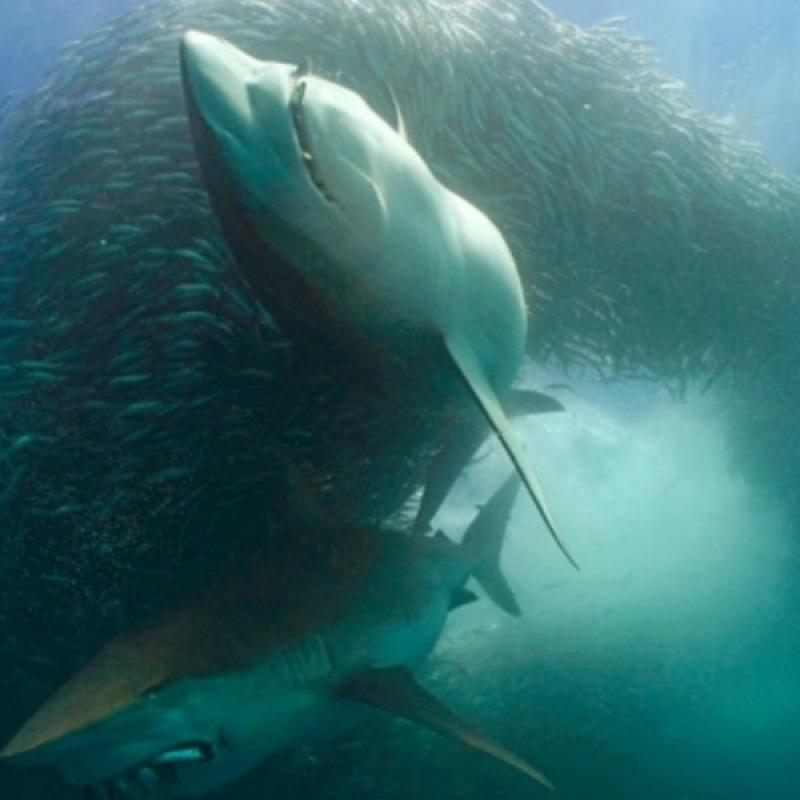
(148, 779)
(303, 136)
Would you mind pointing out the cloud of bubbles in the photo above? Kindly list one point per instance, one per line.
(673, 647)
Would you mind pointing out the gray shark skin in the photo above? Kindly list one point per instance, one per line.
(288, 650)
(312, 186)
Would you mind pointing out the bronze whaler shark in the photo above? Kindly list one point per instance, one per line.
(290, 649)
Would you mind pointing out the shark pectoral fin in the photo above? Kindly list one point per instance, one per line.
(394, 690)
(484, 395)
(522, 402)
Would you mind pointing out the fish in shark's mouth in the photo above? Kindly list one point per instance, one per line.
(147, 779)
(303, 135)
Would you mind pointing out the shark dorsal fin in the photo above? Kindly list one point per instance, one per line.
(395, 690)
(399, 123)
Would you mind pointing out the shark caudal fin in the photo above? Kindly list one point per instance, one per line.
(487, 400)
(394, 690)
(483, 542)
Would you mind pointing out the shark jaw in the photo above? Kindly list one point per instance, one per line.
(198, 735)
(343, 228)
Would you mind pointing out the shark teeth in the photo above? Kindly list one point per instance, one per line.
(145, 781)
(301, 131)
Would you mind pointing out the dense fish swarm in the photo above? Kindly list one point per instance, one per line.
(145, 392)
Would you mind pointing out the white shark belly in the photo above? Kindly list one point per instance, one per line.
(407, 641)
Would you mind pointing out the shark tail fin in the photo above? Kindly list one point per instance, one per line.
(483, 543)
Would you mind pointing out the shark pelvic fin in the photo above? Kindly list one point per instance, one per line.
(522, 402)
(483, 541)
(475, 380)
(463, 597)
(396, 691)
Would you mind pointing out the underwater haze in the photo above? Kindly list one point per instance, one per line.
(650, 197)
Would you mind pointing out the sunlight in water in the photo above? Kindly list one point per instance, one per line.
(684, 584)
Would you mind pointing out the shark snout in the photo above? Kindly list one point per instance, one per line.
(216, 74)
(242, 101)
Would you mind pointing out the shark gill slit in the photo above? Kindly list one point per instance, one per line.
(306, 661)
